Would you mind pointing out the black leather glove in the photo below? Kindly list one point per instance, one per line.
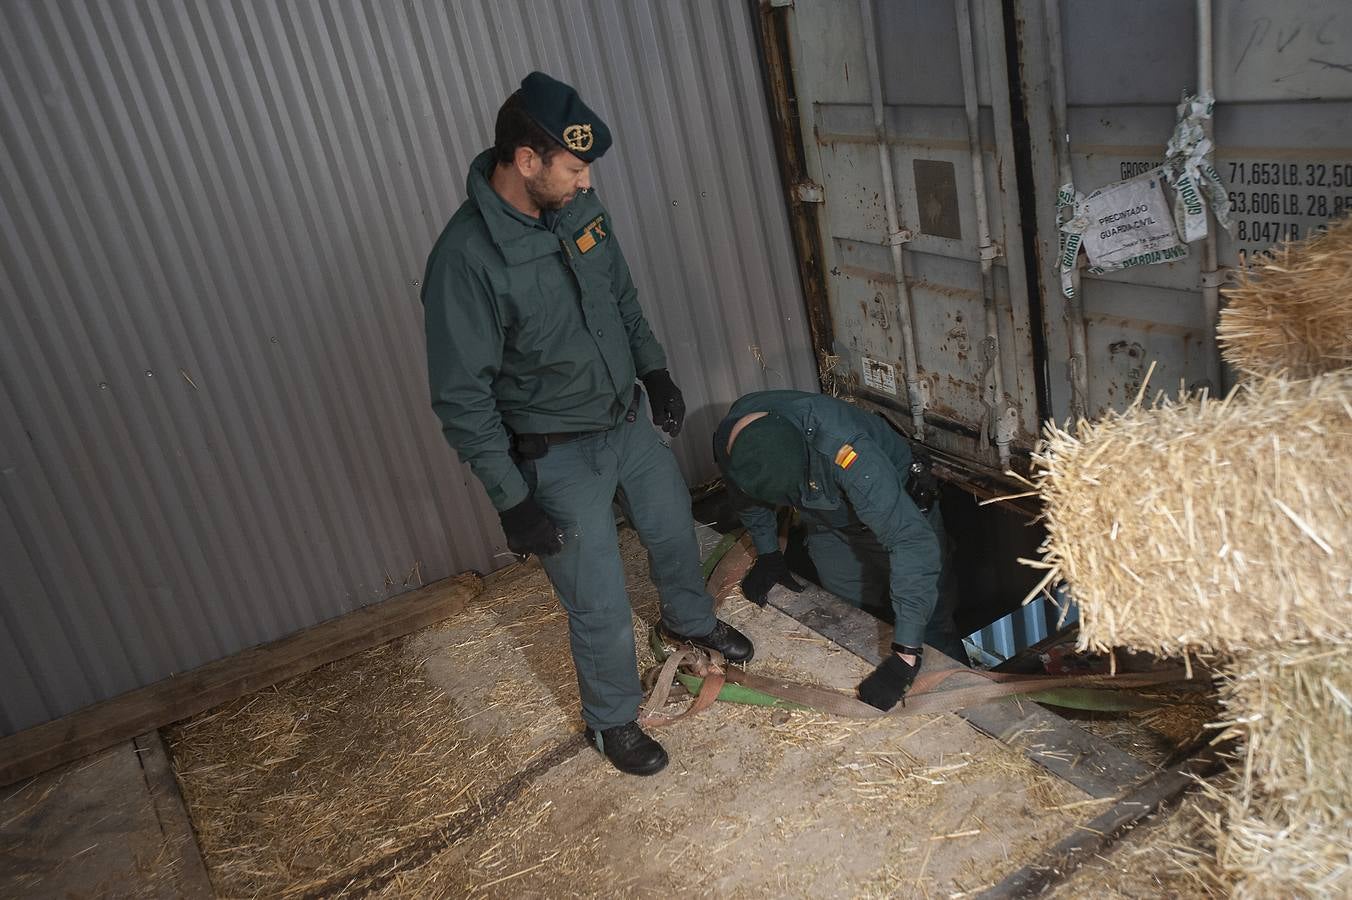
(889, 682)
(668, 406)
(529, 530)
(768, 571)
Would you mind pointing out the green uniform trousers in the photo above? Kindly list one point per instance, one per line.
(854, 566)
(576, 483)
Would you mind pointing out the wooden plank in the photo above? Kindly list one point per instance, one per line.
(107, 825)
(191, 880)
(1052, 741)
(863, 635)
(124, 717)
(1087, 840)
(370, 877)
(1058, 745)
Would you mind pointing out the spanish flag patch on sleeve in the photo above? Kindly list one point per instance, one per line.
(593, 233)
(846, 456)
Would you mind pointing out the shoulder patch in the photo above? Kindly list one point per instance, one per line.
(591, 234)
(846, 456)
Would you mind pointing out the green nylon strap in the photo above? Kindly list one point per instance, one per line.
(720, 550)
(737, 693)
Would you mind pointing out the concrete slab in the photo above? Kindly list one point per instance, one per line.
(110, 825)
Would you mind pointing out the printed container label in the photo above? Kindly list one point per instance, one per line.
(879, 376)
(1130, 223)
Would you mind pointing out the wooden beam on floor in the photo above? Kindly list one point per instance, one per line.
(171, 814)
(1089, 839)
(122, 718)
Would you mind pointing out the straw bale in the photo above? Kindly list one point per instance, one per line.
(1287, 830)
(1276, 824)
(1269, 854)
(1292, 311)
(1208, 525)
(1293, 708)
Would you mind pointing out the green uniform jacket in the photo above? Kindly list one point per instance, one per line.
(529, 329)
(857, 471)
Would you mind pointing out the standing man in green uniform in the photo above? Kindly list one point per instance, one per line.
(535, 340)
(847, 473)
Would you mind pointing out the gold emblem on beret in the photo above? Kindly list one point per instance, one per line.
(578, 138)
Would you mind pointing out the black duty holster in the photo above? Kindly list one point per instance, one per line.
(529, 446)
(922, 486)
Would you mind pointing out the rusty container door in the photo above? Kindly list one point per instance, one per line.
(907, 167)
(932, 270)
(1282, 80)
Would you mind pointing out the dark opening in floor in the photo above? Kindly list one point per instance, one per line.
(984, 545)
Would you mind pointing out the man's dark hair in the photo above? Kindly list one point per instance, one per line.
(516, 129)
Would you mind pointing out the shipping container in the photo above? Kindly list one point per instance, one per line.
(923, 145)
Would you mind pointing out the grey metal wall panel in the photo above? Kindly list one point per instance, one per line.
(213, 224)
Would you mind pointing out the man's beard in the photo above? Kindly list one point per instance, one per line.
(546, 202)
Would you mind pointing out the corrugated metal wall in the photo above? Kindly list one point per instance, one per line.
(214, 426)
(1023, 627)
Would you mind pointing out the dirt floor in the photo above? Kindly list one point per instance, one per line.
(449, 764)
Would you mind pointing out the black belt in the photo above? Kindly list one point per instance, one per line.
(564, 437)
(537, 444)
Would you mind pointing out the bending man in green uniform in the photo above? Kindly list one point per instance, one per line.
(535, 340)
(846, 472)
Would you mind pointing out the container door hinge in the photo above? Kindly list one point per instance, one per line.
(1215, 279)
(777, 3)
(809, 192)
(1007, 425)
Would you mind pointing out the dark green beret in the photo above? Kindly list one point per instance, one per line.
(557, 108)
(769, 460)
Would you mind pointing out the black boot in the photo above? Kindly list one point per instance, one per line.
(735, 646)
(629, 749)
